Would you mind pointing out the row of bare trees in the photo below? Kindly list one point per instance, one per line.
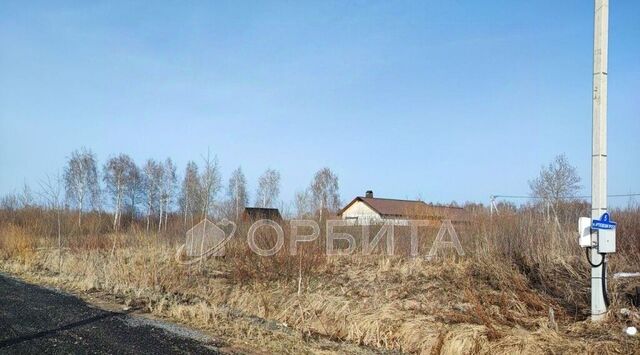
(152, 191)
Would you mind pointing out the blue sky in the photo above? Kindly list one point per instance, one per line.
(442, 100)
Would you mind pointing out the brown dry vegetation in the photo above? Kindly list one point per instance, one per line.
(496, 299)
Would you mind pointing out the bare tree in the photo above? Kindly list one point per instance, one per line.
(302, 202)
(51, 193)
(167, 190)
(190, 191)
(237, 192)
(26, 199)
(134, 189)
(268, 188)
(9, 202)
(210, 181)
(325, 191)
(152, 179)
(557, 181)
(81, 181)
(119, 174)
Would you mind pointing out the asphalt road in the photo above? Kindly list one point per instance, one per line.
(36, 320)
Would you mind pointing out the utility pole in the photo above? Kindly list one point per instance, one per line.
(599, 151)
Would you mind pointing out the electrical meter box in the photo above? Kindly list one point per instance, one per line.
(606, 241)
(584, 230)
(606, 229)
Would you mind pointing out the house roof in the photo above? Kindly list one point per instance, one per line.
(387, 207)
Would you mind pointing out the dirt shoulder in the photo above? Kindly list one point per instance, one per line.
(262, 336)
(43, 320)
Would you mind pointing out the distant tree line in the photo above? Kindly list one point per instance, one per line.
(152, 191)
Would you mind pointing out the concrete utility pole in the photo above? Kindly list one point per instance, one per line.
(599, 149)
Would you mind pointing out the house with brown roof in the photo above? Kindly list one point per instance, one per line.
(370, 210)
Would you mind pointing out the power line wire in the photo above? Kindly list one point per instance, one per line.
(541, 197)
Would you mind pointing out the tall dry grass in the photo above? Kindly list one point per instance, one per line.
(496, 298)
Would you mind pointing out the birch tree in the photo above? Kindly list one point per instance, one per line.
(325, 191)
(152, 178)
(81, 181)
(190, 191)
(268, 188)
(134, 189)
(237, 192)
(167, 191)
(118, 175)
(302, 203)
(210, 182)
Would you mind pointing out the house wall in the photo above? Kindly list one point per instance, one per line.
(360, 213)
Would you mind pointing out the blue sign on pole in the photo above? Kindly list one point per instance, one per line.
(603, 223)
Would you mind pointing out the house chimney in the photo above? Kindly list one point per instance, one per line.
(369, 194)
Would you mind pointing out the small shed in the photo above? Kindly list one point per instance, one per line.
(252, 214)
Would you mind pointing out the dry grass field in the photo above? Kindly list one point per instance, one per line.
(522, 287)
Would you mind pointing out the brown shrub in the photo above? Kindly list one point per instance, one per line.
(15, 242)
